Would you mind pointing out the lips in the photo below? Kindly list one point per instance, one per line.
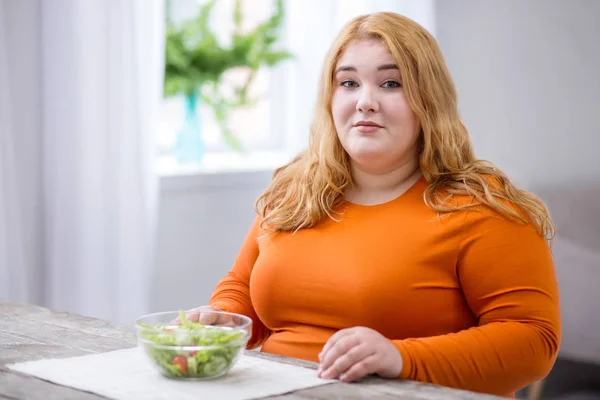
(368, 123)
(367, 127)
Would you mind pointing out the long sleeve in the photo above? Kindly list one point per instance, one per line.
(507, 274)
(232, 293)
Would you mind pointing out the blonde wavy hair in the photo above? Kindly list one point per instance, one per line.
(312, 185)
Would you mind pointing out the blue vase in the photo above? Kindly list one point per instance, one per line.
(188, 145)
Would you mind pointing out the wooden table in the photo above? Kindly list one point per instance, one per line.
(30, 332)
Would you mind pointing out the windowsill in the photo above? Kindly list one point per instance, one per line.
(223, 163)
(220, 170)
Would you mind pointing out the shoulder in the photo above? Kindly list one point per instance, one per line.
(484, 207)
(492, 235)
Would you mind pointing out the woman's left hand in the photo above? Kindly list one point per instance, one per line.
(353, 353)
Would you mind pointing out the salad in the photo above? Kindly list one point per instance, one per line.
(191, 349)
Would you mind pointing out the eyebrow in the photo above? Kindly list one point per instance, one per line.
(380, 68)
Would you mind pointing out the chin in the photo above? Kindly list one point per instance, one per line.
(367, 155)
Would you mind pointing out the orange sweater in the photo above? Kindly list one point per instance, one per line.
(469, 299)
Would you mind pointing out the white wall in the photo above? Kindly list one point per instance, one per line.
(202, 222)
(527, 77)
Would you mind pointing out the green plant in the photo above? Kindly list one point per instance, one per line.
(196, 61)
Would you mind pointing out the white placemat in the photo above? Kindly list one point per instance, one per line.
(127, 375)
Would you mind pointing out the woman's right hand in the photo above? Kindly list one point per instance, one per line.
(206, 315)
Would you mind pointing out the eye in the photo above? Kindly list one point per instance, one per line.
(391, 84)
(349, 84)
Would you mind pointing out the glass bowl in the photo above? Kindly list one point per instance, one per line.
(193, 350)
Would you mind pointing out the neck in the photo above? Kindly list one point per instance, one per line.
(374, 187)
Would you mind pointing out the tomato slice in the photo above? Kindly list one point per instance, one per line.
(181, 362)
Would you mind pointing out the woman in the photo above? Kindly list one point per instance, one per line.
(387, 247)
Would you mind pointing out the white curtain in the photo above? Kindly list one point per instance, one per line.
(14, 269)
(311, 26)
(101, 87)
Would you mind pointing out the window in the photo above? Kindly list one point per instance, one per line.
(251, 125)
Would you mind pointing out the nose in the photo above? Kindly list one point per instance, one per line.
(367, 101)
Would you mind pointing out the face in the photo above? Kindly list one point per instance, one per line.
(373, 119)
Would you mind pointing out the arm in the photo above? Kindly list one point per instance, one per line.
(508, 278)
(232, 293)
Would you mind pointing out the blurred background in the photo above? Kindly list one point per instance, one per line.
(135, 136)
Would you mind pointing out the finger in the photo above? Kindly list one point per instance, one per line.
(225, 320)
(208, 318)
(333, 340)
(218, 318)
(228, 322)
(202, 314)
(177, 321)
(193, 315)
(361, 369)
(342, 347)
(345, 361)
